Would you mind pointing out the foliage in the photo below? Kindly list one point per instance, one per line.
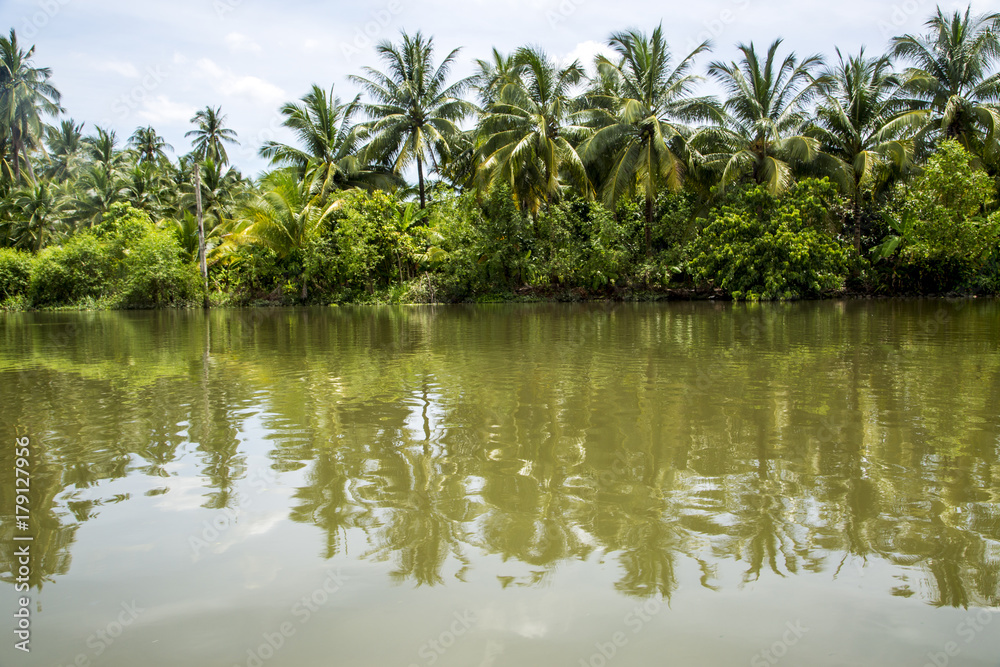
(77, 270)
(947, 239)
(125, 259)
(15, 272)
(769, 247)
(695, 190)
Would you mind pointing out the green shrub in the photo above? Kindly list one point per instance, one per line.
(154, 273)
(765, 247)
(80, 269)
(15, 272)
(585, 245)
(949, 243)
(125, 260)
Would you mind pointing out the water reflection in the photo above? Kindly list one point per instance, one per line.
(788, 438)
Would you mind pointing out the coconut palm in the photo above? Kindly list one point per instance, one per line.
(952, 80)
(150, 146)
(25, 96)
(329, 143)
(527, 137)
(493, 74)
(223, 191)
(284, 216)
(65, 149)
(96, 191)
(145, 187)
(852, 125)
(416, 112)
(641, 109)
(211, 135)
(102, 150)
(36, 214)
(766, 107)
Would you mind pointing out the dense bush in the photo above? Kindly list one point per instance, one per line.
(78, 270)
(765, 247)
(125, 259)
(154, 275)
(944, 237)
(15, 272)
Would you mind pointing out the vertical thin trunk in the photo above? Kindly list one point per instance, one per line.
(857, 219)
(649, 225)
(649, 198)
(15, 147)
(420, 181)
(202, 261)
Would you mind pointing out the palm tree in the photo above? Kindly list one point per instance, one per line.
(852, 125)
(416, 113)
(492, 75)
(526, 137)
(102, 150)
(150, 146)
(36, 211)
(103, 180)
(330, 143)
(25, 95)
(145, 187)
(641, 109)
(65, 144)
(284, 216)
(955, 90)
(766, 109)
(222, 191)
(211, 135)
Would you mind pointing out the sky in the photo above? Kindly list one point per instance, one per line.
(122, 64)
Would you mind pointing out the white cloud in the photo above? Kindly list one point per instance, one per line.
(238, 43)
(250, 88)
(119, 67)
(585, 52)
(161, 109)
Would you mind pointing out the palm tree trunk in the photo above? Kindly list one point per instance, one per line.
(202, 263)
(649, 225)
(857, 221)
(420, 181)
(15, 146)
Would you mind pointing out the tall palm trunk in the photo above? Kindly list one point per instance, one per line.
(649, 225)
(857, 218)
(420, 181)
(649, 198)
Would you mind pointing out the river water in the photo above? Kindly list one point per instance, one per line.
(597, 484)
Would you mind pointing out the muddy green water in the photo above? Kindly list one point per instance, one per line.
(681, 484)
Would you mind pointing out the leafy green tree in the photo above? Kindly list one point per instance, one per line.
(416, 111)
(642, 109)
(65, 149)
(36, 212)
(527, 137)
(948, 237)
(145, 187)
(765, 247)
(25, 96)
(767, 107)
(493, 74)
(150, 146)
(211, 135)
(952, 80)
(853, 126)
(285, 216)
(330, 145)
